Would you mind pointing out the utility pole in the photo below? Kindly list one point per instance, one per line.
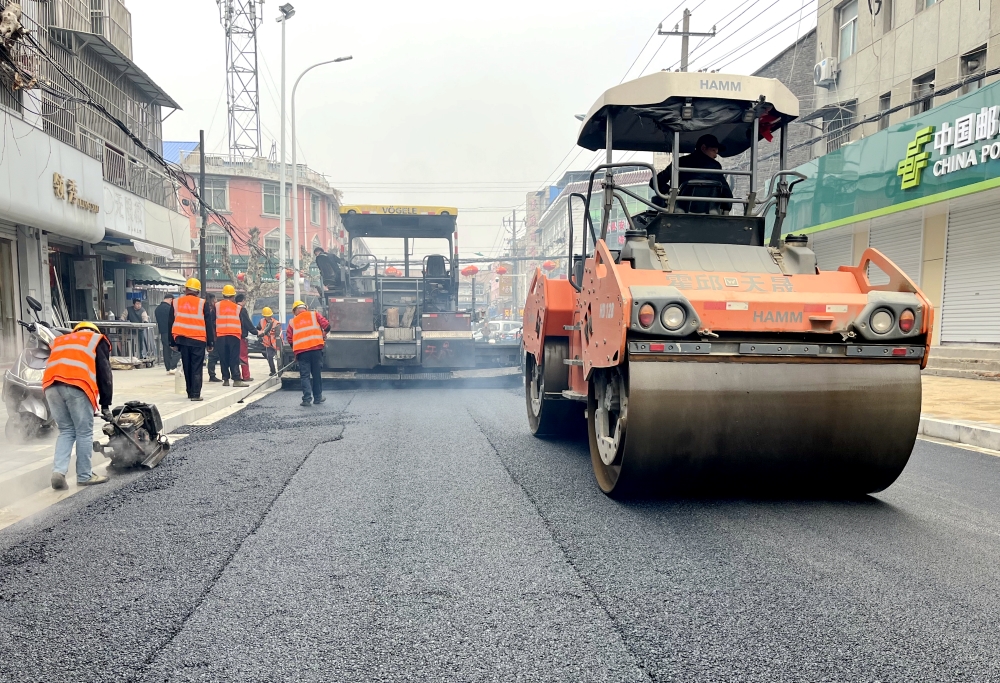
(685, 35)
(202, 261)
(515, 308)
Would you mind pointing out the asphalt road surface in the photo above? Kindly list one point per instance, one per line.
(422, 534)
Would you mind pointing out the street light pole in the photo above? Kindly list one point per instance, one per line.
(287, 12)
(295, 177)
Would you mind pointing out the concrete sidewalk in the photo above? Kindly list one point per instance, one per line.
(965, 411)
(25, 468)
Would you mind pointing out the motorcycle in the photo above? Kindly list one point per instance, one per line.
(28, 414)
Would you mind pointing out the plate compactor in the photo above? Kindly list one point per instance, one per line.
(704, 356)
(134, 436)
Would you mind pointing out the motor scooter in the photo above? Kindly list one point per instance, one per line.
(28, 414)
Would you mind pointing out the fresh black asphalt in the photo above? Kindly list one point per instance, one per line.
(412, 534)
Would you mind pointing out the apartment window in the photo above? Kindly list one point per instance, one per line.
(848, 21)
(973, 62)
(923, 90)
(884, 103)
(315, 244)
(214, 193)
(216, 244)
(888, 15)
(272, 244)
(837, 122)
(272, 199)
(314, 209)
(924, 4)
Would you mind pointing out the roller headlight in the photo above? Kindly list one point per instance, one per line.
(646, 315)
(673, 317)
(881, 321)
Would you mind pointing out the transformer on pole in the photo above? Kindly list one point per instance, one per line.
(240, 19)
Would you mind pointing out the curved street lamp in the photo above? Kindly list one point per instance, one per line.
(295, 175)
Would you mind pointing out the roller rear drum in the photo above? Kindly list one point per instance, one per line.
(755, 428)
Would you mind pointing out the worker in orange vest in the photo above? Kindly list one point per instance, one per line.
(307, 335)
(228, 332)
(77, 374)
(192, 332)
(247, 324)
(269, 333)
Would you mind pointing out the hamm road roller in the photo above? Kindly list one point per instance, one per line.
(707, 351)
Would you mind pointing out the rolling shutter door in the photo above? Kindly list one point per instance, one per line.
(900, 238)
(833, 248)
(971, 307)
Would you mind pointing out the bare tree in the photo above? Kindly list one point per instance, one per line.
(256, 282)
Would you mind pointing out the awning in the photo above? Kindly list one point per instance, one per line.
(142, 274)
(118, 60)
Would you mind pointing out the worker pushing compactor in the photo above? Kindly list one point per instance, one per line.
(702, 352)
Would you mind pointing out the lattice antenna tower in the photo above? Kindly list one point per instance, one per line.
(240, 20)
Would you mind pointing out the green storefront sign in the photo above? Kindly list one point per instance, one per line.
(947, 152)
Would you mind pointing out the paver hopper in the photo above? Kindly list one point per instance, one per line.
(703, 354)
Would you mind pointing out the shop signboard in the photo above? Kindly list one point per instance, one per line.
(949, 151)
(124, 213)
(46, 184)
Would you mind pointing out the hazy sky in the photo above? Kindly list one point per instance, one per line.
(465, 104)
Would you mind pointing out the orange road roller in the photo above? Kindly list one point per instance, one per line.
(706, 350)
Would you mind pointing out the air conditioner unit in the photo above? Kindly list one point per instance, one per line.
(825, 73)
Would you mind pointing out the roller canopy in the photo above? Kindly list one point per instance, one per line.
(646, 112)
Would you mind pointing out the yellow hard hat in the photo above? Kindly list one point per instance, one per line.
(228, 290)
(297, 304)
(193, 283)
(86, 325)
(266, 312)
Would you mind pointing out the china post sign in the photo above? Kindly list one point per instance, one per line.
(951, 150)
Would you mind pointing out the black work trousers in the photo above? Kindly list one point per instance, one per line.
(269, 355)
(193, 361)
(229, 357)
(311, 372)
(169, 355)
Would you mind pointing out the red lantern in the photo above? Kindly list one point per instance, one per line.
(549, 265)
(392, 270)
(469, 271)
(241, 276)
(501, 270)
(289, 272)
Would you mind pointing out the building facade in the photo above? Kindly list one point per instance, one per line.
(247, 192)
(916, 183)
(86, 213)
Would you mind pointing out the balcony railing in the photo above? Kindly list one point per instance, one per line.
(129, 173)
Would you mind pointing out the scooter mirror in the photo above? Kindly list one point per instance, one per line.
(34, 304)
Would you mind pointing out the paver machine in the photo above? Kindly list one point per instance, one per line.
(708, 351)
(390, 323)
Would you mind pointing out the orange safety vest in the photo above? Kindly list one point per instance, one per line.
(306, 332)
(73, 361)
(227, 319)
(270, 340)
(189, 318)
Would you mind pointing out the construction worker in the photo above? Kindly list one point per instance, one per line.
(246, 325)
(212, 359)
(227, 336)
(77, 373)
(192, 332)
(307, 335)
(269, 333)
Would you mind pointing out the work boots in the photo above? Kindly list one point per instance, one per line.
(239, 383)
